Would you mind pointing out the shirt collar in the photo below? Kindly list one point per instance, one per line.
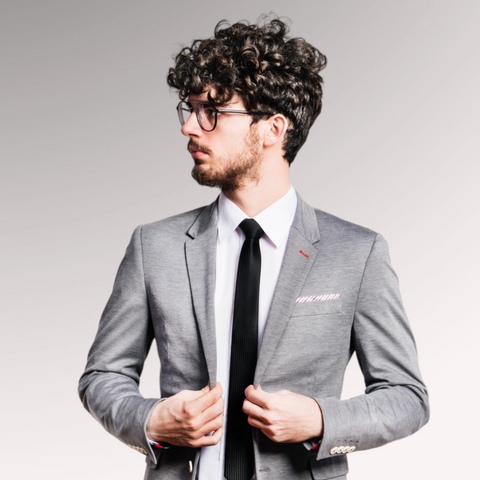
(275, 220)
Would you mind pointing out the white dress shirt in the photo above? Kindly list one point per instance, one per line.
(275, 221)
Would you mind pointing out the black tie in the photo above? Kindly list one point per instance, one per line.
(239, 460)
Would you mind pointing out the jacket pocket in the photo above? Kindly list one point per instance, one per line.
(329, 468)
(326, 307)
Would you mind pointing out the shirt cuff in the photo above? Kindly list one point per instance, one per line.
(315, 446)
(158, 445)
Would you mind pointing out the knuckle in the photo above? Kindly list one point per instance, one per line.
(192, 425)
(205, 440)
(273, 435)
(269, 419)
(213, 426)
(194, 442)
(192, 436)
(188, 410)
(269, 403)
(274, 432)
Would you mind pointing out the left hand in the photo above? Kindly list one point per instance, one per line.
(284, 417)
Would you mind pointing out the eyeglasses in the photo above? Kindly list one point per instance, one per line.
(206, 114)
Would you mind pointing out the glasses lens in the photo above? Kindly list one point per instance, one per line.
(184, 110)
(206, 116)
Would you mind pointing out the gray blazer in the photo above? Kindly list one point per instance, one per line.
(336, 294)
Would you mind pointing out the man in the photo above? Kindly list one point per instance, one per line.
(257, 301)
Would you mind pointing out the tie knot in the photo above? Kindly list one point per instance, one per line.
(251, 229)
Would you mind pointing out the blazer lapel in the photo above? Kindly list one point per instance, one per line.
(200, 254)
(299, 257)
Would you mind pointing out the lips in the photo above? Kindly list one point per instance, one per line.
(196, 153)
(196, 150)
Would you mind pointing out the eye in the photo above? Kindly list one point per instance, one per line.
(208, 111)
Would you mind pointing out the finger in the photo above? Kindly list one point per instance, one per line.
(253, 410)
(195, 394)
(275, 437)
(211, 426)
(217, 435)
(209, 439)
(211, 396)
(203, 424)
(211, 413)
(259, 397)
(255, 422)
(205, 400)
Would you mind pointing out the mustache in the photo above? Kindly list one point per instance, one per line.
(192, 144)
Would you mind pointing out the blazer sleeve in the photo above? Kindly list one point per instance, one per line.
(109, 386)
(395, 403)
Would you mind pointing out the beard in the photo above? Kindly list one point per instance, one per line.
(237, 171)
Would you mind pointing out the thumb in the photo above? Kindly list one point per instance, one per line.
(192, 395)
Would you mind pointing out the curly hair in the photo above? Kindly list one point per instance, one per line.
(268, 70)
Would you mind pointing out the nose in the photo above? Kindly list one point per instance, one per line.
(191, 127)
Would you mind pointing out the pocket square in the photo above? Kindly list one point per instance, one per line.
(318, 298)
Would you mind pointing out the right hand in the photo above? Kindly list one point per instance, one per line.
(186, 418)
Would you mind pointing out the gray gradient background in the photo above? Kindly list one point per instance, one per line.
(91, 147)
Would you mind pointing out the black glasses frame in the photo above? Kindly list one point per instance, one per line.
(216, 111)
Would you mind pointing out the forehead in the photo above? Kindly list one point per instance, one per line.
(195, 99)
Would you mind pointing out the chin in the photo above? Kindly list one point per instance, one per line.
(209, 179)
(204, 176)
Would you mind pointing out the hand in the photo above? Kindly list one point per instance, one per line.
(284, 417)
(186, 418)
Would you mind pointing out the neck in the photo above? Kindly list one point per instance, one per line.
(256, 196)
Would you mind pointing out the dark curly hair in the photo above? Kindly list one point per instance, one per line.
(268, 70)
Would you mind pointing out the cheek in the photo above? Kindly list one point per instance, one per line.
(226, 151)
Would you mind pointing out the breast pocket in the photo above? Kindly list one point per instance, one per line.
(307, 308)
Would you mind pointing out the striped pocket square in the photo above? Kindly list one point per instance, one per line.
(318, 298)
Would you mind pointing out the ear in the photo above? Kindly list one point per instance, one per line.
(276, 128)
